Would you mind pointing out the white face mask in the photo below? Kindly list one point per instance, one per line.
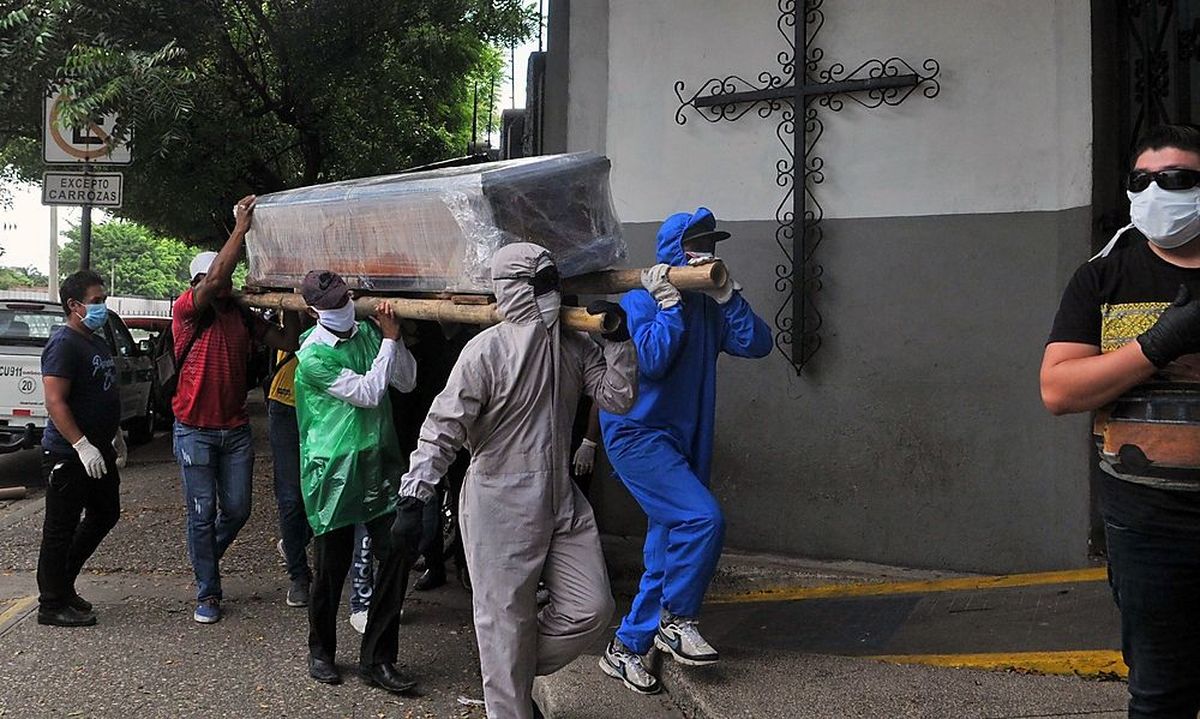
(549, 305)
(338, 320)
(1168, 218)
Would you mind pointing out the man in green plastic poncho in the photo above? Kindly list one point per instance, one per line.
(350, 467)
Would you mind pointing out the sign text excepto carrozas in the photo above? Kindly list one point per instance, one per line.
(100, 189)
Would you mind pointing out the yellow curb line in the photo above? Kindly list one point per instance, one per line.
(16, 611)
(784, 594)
(1092, 663)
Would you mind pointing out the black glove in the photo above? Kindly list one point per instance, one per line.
(599, 307)
(1176, 333)
(406, 530)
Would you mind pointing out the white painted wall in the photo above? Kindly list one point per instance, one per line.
(1011, 130)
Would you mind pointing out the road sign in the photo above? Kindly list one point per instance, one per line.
(99, 189)
(87, 144)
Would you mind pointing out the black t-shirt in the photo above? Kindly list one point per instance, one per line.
(94, 399)
(1108, 303)
(1111, 300)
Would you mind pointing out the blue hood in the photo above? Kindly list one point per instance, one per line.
(670, 234)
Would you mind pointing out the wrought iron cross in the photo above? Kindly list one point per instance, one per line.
(871, 84)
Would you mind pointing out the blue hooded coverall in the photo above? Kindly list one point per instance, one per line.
(662, 449)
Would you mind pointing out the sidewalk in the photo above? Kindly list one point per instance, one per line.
(843, 639)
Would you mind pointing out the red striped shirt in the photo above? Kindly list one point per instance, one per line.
(211, 391)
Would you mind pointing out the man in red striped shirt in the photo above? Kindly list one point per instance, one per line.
(212, 430)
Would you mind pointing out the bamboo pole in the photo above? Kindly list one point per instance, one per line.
(574, 318)
(607, 282)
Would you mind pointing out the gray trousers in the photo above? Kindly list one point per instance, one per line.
(510, 546)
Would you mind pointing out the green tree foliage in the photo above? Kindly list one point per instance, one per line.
(237, 96)
(141, 262)
(17, 277)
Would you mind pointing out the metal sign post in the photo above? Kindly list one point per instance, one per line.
(53, 283)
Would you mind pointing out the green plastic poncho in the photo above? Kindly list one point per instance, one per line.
(350, 459)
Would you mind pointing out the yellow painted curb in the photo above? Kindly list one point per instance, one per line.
(16, 611)
(785, 594)
(1094, 663)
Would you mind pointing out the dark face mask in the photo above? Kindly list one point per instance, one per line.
(545, 280)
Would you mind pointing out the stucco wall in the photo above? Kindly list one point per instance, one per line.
(916, 436)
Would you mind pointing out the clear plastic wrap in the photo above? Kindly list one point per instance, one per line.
(435, 231)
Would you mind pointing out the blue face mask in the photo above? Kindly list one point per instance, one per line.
(96, 316)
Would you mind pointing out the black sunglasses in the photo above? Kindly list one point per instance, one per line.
(1181, 179)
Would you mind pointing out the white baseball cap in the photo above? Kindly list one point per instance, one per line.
(201, 263)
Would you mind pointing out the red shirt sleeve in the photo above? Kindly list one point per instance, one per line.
(183, 320)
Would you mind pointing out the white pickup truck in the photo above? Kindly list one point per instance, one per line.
(25, 325)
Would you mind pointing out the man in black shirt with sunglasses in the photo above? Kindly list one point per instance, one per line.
(1130, 318)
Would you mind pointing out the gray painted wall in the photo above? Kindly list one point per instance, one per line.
(917, 436)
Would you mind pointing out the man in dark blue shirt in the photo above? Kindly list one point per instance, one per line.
(82, 449)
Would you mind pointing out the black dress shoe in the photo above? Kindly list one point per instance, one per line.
(66, 616)
(79, 603)
(430, 580)
(323, 671)
(386, 677)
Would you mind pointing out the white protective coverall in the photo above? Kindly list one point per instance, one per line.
(511, 399)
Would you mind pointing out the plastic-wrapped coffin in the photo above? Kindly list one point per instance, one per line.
(436, 230)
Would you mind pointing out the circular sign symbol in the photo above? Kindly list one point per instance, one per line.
(68, 147)
(27, 385)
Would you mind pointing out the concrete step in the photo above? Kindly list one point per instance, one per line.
(581, 691)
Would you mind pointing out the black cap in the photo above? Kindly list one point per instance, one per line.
(706, 229)
(324, 290)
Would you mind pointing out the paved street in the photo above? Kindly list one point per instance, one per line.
(147, 658)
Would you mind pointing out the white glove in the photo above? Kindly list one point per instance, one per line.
(93, 461)
(122, 450)
(721, 294)
(654, 279)
(585, 457)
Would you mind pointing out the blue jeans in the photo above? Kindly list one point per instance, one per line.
(217, 465)
(1153, 538)
(293, 521)
(362, 571)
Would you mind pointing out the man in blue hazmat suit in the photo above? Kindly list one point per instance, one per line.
(662, 449)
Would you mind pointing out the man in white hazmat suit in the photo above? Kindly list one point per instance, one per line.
(510, 400)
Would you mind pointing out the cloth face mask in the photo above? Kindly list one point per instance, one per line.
(1168, 218)
(548, 305)
(340, 319)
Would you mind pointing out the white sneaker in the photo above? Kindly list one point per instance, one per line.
(620, 663)
(358, 620)
(679, 637)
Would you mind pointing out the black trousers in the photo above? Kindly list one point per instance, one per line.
(80, 512)
(334, 553)
(1154, 568)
